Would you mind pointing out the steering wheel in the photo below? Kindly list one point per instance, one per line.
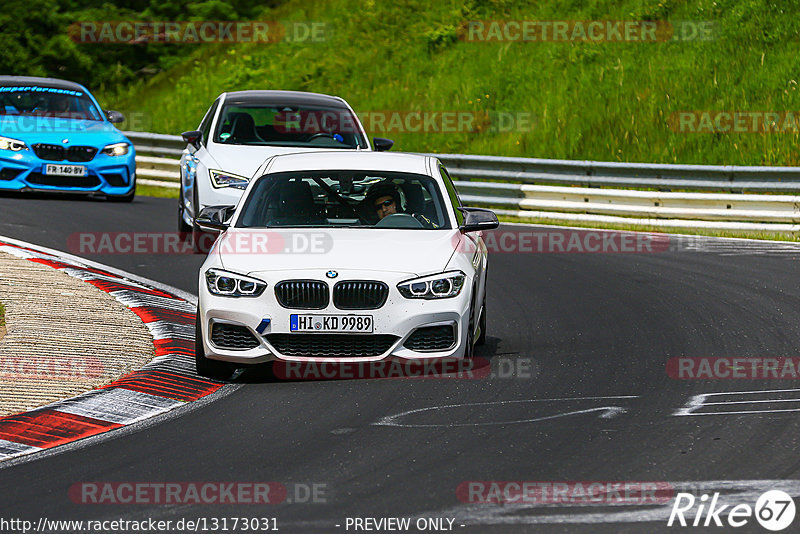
(399, 220)
(320, 134)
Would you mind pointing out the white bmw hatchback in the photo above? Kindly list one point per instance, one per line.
(343, 257)
(242, 129)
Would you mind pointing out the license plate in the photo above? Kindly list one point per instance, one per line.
(65, 170)
(330, 323)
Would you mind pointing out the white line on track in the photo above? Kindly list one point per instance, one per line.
(607, 412)
(698, 402)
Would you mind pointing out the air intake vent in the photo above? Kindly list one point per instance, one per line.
(115, 180)
(9, 174)
(49, 152)
(81, 153)
(332, 345)
(302, 294)
(60, 153)
(37, 178)
(360, 295)
(233, 337)
(431, 338)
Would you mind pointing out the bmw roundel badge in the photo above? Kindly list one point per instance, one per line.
(331, 274)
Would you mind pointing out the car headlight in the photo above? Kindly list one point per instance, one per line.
(117, 149)
(226, 179)
(227, 284)
(437, 286)
(14, 145)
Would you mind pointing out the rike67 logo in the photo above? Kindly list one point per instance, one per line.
(774, 510)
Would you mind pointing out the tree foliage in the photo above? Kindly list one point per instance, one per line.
(39, 37)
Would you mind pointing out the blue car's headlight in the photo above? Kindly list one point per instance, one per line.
(226, 179)
(227, 284)
(117, 149)
(14, 145)
(437, 286)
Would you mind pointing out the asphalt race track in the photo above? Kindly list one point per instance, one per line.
(579, 344)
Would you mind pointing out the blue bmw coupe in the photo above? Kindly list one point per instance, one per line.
(55, 137)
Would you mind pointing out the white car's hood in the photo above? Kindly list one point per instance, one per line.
(245, 160)
(414, 252)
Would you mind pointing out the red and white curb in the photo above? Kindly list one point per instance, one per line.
(167, 382)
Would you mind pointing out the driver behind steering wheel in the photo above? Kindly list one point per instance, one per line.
(383, 198)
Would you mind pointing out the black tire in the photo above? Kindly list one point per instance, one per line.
(469, 350)
(200, 241)
(205, 367)
(128, 197)
(183, 228)
(482, 324)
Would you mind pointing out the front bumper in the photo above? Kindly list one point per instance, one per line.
(106, 175)
(398, 317)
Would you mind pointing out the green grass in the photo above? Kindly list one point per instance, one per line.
(158, 192)
(599, 101)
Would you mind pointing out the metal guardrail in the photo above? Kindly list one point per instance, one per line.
(524, 187)
(156, 144)
(627, 203)
(729, 178)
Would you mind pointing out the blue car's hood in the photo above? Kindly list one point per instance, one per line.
(55, 130)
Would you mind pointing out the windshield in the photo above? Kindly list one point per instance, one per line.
(329, 199)
(47, 102)
(306, 126)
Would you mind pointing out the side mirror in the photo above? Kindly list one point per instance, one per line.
(213, 218)
(477, 219)
(114, 117)
(194, 138)
(381, 144)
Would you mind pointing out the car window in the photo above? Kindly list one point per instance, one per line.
(39, 101)
(205, 124)
(270, 125)
(344, 199)
(452, 193)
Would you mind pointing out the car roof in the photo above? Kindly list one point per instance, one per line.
(350, 161)
(284, 98)
(20, 81)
